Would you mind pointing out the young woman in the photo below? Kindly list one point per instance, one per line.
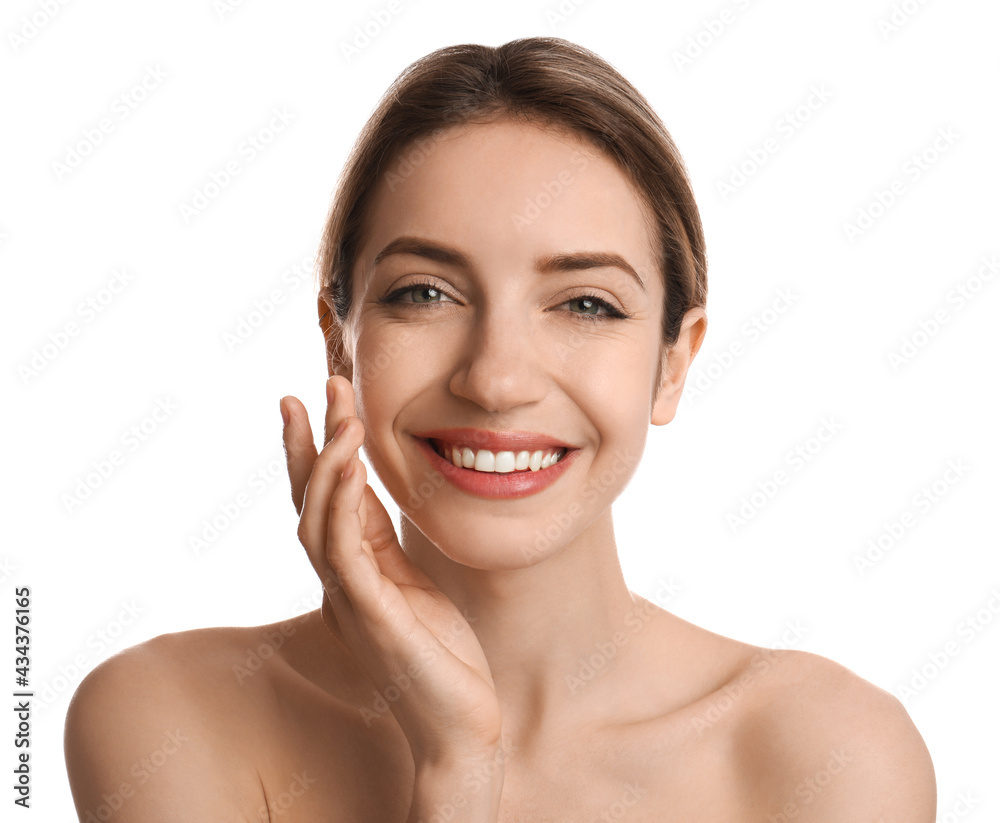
(512, 290)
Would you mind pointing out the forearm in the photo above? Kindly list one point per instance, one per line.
(460, 791)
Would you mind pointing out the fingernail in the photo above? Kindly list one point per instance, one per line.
(348, 470)
(284, 412)
(329, 391)
(340, 428)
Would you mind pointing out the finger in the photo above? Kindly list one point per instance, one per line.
(300, 449)
(352, 560)
(320, 488)
(380, 533)
(339, 404)
(371, 605)
(340, 620)
(355, 568)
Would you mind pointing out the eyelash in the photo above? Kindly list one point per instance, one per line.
(613, 313)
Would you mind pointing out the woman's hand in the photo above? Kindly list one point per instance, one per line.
(410, 639)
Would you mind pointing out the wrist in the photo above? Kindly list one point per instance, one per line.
(461, 787)
(442, 756)
(445, 765)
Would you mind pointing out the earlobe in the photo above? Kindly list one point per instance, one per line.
(675, 364)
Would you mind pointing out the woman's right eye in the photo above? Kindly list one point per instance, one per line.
(423, 294)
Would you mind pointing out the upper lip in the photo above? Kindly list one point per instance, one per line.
(495, 440)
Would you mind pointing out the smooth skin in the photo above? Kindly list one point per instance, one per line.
(442, 679)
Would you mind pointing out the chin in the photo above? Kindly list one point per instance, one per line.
(490, 549)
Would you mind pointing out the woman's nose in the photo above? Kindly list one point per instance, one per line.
(502, 365)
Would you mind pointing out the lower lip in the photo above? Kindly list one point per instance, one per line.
(494, 484)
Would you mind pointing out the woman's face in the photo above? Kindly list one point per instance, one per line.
(478, 307)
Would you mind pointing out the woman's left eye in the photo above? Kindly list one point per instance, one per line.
(591, 305)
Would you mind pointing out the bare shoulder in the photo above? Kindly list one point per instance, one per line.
(157, 732)
(822, 744)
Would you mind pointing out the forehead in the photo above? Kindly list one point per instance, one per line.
(508, 193)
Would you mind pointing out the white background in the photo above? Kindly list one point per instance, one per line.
(856, 298)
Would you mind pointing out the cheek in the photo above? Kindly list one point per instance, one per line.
(381, 365)
(395, 362)
(611, 378)
(615, 394)
(384, 370)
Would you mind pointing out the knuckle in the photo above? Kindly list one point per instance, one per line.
(353, 426)
(338, 446)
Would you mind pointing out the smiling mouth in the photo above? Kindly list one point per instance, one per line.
(498, 462)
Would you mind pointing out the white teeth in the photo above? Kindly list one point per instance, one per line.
(503, 462)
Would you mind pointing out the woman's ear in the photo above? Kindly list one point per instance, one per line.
(675, 363)
(338, 361)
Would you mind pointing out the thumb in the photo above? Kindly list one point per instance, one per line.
(380, 532)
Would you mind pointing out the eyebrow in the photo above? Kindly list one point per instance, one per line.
(565, 262)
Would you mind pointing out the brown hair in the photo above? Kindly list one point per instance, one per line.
(546, 80)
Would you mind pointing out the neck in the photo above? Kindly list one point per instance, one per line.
(539, 626)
